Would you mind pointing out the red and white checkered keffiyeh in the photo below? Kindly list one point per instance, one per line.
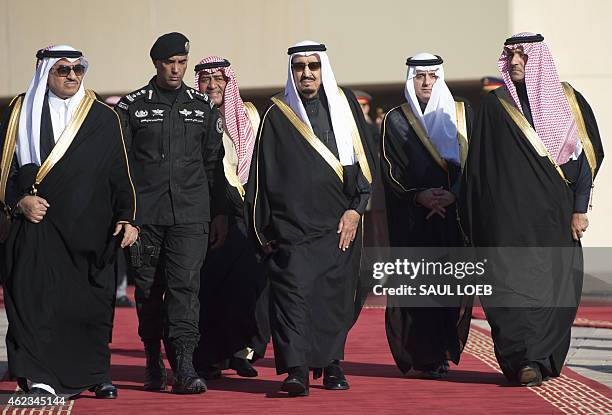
(236, 121)
(550, 110)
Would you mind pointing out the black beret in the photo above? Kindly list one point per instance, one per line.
(170, 44)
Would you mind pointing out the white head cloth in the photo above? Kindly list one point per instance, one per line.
(440, 116)
(28, 136)
(338, 107)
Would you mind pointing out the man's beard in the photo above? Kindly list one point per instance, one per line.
(309, 91)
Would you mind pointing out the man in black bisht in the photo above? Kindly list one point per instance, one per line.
(533, 156)
(423, 150)
(234, 319)
(309, 185)
(66, 181)
(173, 135)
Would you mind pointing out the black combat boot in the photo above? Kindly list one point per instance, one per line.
(186, 379)
(155, 372)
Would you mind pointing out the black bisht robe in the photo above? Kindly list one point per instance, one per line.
(60, 286)
(420, 338)
(233, 294)
(296, 198)
(514, 198)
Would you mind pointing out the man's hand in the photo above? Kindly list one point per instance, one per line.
(445, 198)
(432, 199)
(130, 233)
(347, 228)
(270, 248)
(427, 199)
(34, 208)
(218, 231)
(580, 223)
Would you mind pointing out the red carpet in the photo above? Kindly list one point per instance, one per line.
(474, 387)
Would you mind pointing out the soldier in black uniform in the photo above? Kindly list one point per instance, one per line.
(173, 136)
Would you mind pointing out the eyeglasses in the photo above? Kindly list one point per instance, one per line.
(301, 66)
(64, 70)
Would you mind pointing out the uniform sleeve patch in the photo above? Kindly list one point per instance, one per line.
(219, 125)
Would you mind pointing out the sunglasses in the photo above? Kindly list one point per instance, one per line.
(301, 66)
(64, 70)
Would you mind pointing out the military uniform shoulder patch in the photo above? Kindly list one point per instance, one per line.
(135, 96)
(200, 95)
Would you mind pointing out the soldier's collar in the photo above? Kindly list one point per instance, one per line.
(152, 94)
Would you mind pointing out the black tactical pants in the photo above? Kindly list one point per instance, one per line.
(168, 283)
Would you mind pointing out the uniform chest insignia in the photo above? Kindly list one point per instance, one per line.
(185, 112)
(199, 113)
(158, 112)
(219, 125)
(141, 113)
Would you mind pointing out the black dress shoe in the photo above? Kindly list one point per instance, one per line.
(334, 379)
(105, 391)
(23, 384)
(242, 367)
(296, 383)
(436, 372)
(530, 375)
(124, 301)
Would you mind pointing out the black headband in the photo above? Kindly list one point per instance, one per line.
(524, 39)
(210, 65)
(41, 54)
(306, 48)
(424, 62)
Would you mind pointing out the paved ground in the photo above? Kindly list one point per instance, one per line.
(590, 352)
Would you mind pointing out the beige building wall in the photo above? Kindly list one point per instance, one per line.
(578, 35)
(368, 40)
